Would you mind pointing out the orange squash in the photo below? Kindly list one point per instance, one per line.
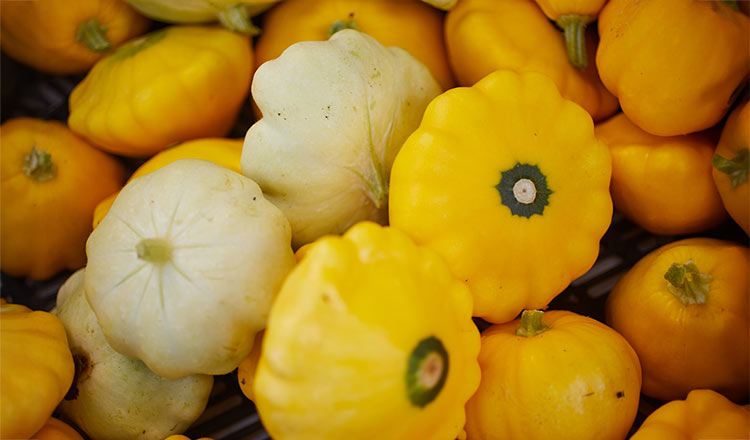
(56, 430)
(249, 365)
(732, 164)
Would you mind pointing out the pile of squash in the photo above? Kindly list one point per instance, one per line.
(414, 165)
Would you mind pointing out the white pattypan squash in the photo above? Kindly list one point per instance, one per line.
(335, 113)
(114, 397)
(445, 5)
(233, 14)
(183, 268)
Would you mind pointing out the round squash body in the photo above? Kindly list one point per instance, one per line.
(63, 36)
(37, 369)
(408, 24)
(732, 165)
(113, 396)
(488, 35)
(703, 414)
(183, 268)
(51, 182)
(56, 430)
(224, 152)
(134, 104)
(492, 198)
(663, 184)
(576, 380)
(182, 437)
(662, 87)
(335, 114)
(370, 337)
(195, 11)
(690, 335)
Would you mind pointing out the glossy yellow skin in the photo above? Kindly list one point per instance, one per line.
(662, 87)
(341, 331)
(37, 369)
(56, 430)
(224, 152)
(249, 366)
(734, 137)
(135, 103)
(44, 225)
(408, 24)
(487, 35)
(663, 184)
(564, 383)
(443, 194)
(704, 414)
(42, 33)
(685, 347)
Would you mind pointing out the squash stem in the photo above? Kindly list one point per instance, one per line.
(92, 35)
(236, 18)
(732, 4)
(737, 168)
(574, 26)
(340, 25)
(154, 250)
(38, 165)
(687, 283)
(531, 323)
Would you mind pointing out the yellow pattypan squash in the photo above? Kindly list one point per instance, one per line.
(732, 164)
(51, 182)
(408, 24)
(37, 369)
(172, 85)
(335, 113)
(704, 414)
(663, 184)
(183, 269)
(370, 337)
(572, 16)
(684, 309)
(673, 64)
(249, 366)
(56, 430)
(63, 36)
(488, 35)
(224, 152)
(114, 397)
(557, 376)
(507, 182)
(182, 437)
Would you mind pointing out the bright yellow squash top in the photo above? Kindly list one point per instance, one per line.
(507, 182)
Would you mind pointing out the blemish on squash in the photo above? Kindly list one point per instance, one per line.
(242, 381)
(620, 394)
(81, 374)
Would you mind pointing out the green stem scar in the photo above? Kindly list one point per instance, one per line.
(38, 165)
(687, 283)
(531, 323)
(732, 4)
(92, 34)
(736, 168)
(574, 27)
(340, 25)
(426, 372)
(154, 250)
(236, 18)
(523, 189)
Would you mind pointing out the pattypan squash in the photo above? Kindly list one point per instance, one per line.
(335, 113)
(704, 414)
(63, 36)
(506, 181)
(37, 369)
(171, 85)
(113, 396)
(183, 268)
(675, 65)
(554, 375)
(684, 309)
(54, 429)
(249, 366)
(51, 182)
(731, 165)
(445, 5)
(370, 337)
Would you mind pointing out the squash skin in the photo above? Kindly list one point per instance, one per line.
(42, 33)
(483, 36)
(37, 369)
(444, 190)
(410, 25)
(198, 94)
(663, 88)
(663, 184)
(194, 11)
(734, 138)
(54, 429)
(44, 224)
(703, 414)
(687, 346)
(578, 380)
